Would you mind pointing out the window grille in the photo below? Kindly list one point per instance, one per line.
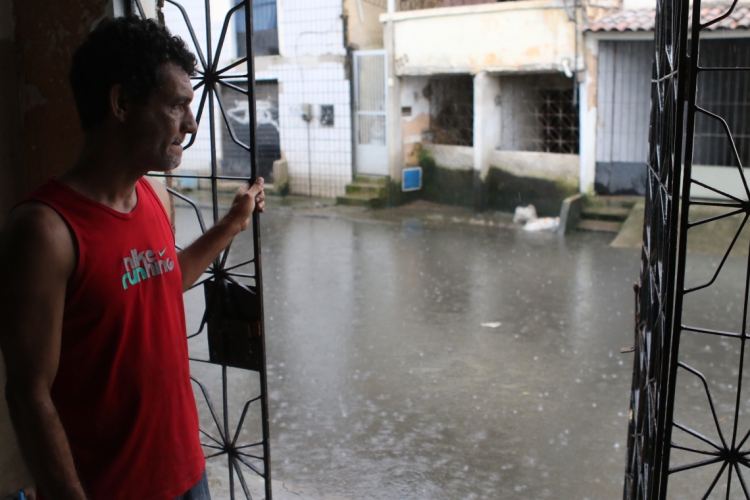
(451, 110)
(537, 113)
(556, 120)
(726, 94)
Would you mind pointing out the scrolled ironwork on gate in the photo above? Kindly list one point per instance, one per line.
(231, 327)
(688, 421)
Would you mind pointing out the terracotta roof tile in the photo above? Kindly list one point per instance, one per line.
(643, 19)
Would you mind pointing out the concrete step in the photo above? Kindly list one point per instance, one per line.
(609, 213)
(612, 201)
(362, 200)
(379, 180)
(599, 225)
(376, 190)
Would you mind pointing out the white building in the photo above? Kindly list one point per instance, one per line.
(303, 86)
(528, 101)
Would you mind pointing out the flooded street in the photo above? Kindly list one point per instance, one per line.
(384, 384)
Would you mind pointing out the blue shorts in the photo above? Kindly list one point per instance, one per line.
(197, 492)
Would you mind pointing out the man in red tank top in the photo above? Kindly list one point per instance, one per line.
(91, 286)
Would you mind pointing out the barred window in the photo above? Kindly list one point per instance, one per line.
(451, 109)
(556, 122)
(537, 113)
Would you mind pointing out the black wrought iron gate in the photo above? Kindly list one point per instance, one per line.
(688, 431)
(230, 334)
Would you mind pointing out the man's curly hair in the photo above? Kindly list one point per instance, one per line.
(127, 51)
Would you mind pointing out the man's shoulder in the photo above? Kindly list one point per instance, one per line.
(35, 217)
(35, 232)
(160, 190)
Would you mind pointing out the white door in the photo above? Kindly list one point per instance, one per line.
(370, 96)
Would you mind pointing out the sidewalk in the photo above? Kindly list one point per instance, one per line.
(419, 213)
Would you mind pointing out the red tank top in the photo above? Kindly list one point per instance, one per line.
(123, 388)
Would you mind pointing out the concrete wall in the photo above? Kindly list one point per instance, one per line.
(551, 166)
(12, 175)
(363, 28)
(487, 122)
(555, 167)
(476, 38)
(510, 178)
(452, 157)
(417, 120)
(587, 114)
(639, 4)
(13, 186)
(521, 178)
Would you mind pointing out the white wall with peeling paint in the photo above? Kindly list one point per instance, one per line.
(534, 35)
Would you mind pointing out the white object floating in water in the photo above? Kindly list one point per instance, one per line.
(524, 214)
(543, 224)
(492, 324)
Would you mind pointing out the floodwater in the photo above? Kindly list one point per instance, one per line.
(384, 383)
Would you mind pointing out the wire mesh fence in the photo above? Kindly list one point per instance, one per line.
(303, 93)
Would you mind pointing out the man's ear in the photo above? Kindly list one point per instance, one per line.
(119, 102)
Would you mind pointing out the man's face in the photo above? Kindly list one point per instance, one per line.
(157, 129)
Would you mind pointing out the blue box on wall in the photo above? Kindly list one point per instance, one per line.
(411, 179)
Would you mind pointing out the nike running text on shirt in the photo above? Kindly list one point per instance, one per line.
(143, 265)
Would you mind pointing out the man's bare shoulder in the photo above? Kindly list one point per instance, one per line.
(36, 235)
(160, 190)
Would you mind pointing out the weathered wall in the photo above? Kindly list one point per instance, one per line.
(452, 157)
(415, 115)
(639, 4)
(522, 177)
(474, 38)
(512, 178)
(12, 187)
(550, 166)
(47, 34)
(587, 114)
(447, 174)
(363, 28)
(12, 178)
(487, 122)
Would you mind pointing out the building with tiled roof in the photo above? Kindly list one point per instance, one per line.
(619, 52)
(643, 19)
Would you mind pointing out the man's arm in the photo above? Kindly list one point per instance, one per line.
(37, 257)
(196, 258)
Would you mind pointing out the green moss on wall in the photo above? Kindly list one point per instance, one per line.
(505, 191)
(445, 185)
(397, 197)
(499, 191)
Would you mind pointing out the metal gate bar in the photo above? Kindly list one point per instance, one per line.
(661, 291)
(654, 292)
(233, 318)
